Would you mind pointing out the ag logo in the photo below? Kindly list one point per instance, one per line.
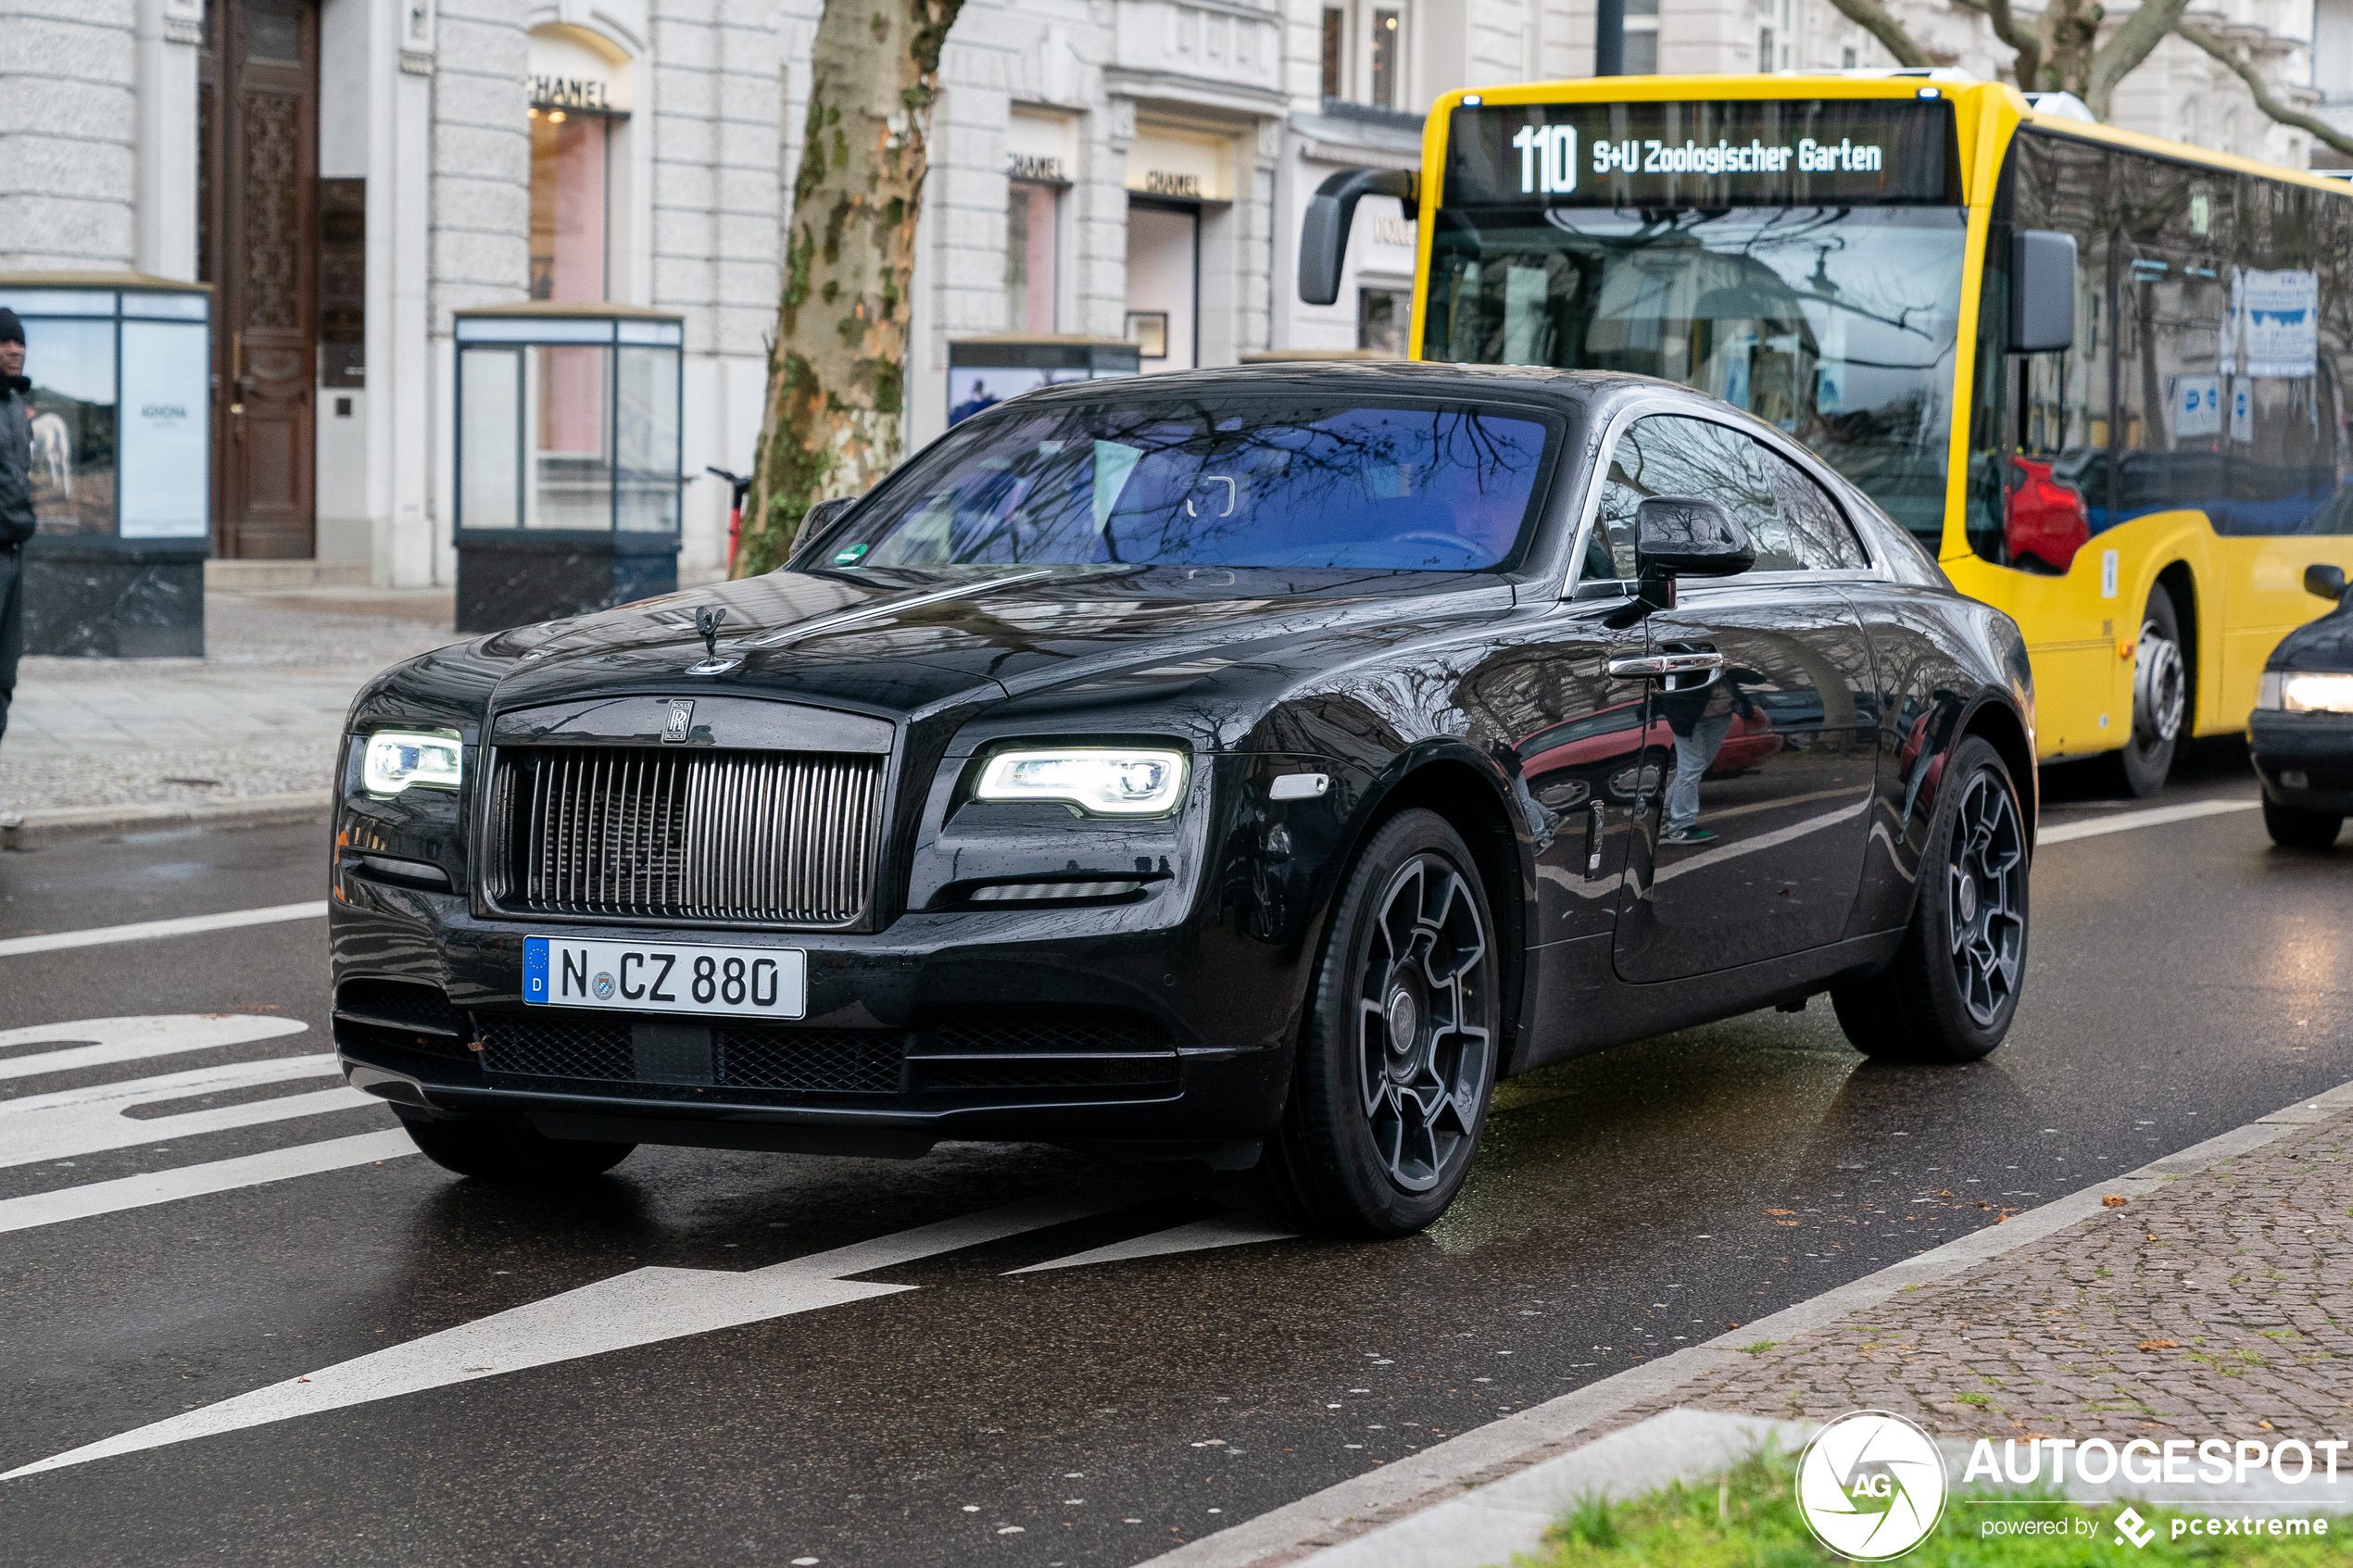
(1870, 1485)
(602, 985)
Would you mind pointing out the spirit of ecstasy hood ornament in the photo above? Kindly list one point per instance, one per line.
(707, 621)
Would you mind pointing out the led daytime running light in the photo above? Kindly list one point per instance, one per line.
(398, 760)
(1104, 781)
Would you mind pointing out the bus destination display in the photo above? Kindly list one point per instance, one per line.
(1771, 153)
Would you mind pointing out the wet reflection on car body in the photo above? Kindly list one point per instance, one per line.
(1249, 767)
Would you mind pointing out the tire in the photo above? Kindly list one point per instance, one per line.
(509, 1149)
(2160, 700)
(1942, 998)
(1397, 1059)
(2291, 828)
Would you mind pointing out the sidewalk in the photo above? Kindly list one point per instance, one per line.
(2215, 1300)
(2219, 1306)
(257, 716)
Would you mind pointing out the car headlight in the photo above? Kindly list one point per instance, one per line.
(398, 760)
(2300, 691)
(1112, 781)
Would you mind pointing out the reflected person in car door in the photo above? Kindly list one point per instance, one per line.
(1700, 713)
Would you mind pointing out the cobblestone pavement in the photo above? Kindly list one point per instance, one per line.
(2219, 1305)
(256, 715)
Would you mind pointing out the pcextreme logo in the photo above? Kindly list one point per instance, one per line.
(1870, 1485)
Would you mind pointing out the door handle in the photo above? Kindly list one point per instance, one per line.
(1659, 666)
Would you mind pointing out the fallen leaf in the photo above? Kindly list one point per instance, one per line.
(2161, 1344)
(1786, 1222)
(2112, 1202)
(1781, 1210)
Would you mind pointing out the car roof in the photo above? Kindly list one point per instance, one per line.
(1358, 378)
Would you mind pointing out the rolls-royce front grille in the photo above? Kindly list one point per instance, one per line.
(761, 837)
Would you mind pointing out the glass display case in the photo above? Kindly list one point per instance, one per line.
(119, 364)
(567, 484)
(984, 371)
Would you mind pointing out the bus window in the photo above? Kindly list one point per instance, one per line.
(2039, 480)
(1836, 324)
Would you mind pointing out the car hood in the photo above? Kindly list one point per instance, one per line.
(2326, 644)
(902, 642)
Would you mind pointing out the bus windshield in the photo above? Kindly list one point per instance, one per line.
(1837, 324)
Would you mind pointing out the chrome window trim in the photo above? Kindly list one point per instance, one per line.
(1773, 440)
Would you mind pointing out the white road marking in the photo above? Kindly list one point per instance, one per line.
(195, 1180)
(642, 1306)
(147, 930)
(2155, 816)
(134, 1039)
(1226, 1230)
(85, 1120)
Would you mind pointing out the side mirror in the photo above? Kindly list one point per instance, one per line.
(2324, 581)
(2041, 291)
(1323, 237)
(809, 540)
(1682, 536)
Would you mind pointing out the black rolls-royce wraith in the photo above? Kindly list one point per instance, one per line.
(1249, 767)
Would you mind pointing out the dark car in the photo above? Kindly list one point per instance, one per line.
(2301, 731)
(1140, 768)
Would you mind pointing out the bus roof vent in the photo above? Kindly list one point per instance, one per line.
(2062, 105)
(1880, 73)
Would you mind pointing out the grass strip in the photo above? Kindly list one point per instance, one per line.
(1748, 1518)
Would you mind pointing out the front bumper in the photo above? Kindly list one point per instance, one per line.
(1083, 1027)
(2304, 760)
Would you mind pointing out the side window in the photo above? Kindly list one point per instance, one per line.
(1794, 525)
(1814, 533)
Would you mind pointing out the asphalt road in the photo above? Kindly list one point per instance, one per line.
(712, 1387)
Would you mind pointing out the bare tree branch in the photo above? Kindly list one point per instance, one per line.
(2263, 99)
(2029, 63)
(1872, 18)
(2127, 47)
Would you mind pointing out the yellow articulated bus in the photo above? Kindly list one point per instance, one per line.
(2102, 376)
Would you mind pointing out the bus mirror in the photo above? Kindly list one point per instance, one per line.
(1323, 238)
(2041, 291)
(2324, 580)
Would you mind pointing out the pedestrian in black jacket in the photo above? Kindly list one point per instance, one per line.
(16, 500)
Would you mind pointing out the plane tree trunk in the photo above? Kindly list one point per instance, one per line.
(837, 367)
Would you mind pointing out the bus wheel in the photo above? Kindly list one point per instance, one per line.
(2160, 700)
(1952, 987)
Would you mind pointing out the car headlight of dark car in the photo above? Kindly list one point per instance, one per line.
(391, 760)
(1098, 781)
(2305, 691)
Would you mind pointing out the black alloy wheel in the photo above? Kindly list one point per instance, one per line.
(2160, 700)
(1953, 987)
(1397, 1061)
(2291, 827)
(509, 1149)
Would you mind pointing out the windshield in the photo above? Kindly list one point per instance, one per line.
(1431, 489)
(1836, 324)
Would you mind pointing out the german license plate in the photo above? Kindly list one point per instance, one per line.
(651, 977)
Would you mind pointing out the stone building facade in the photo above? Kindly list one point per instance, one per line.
(349, 174)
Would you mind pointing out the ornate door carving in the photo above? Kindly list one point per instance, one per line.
(259, 247)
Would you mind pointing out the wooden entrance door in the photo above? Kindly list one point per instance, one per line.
(258, 246)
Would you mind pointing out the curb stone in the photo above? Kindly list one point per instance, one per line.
(33, 829)
(1384, 1500)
